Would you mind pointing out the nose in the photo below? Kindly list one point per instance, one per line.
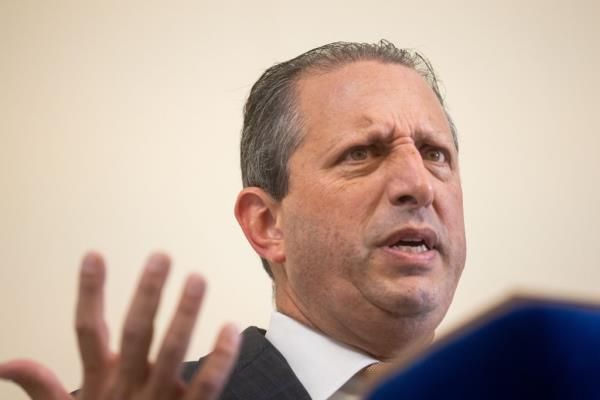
(409, 182)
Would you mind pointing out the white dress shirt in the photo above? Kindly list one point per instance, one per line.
(322, 364)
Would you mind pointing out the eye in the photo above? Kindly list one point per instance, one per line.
(358, 154)
(363, 154)
(435, 155)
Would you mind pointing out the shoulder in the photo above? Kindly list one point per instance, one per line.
(254, 344)
(261, 372)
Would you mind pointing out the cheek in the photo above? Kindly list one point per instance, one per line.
(449, 204)
(449, 209)
(451, 213)
(319, 250)
(323, 225)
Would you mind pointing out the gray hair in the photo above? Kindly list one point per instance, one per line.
(273, 125)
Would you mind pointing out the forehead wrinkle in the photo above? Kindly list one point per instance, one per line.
(413, 123)
(359, 129)
(375, 128)
(422, 134)
(382, 123)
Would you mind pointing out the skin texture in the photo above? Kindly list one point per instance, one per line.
(377, 158)
(128, 374)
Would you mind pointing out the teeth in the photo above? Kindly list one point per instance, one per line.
(411, 249)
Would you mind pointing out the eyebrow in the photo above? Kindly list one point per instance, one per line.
(364, 133)
(365, 128)
(421, 134)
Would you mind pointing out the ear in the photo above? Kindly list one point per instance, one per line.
(258, 215)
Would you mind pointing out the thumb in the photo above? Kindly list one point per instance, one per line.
(38, 381)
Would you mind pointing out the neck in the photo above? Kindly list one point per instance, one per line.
(386, 339)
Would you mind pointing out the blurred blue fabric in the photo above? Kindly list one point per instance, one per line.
(534, 350)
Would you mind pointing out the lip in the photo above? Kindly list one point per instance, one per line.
(428, 235)
(422, 260)
(417, 261)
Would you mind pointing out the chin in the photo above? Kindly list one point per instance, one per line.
(408, 299)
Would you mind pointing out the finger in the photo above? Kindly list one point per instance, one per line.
(92, 332)
(214, 373)
(166, 370)
(139, 323)
(37, 381)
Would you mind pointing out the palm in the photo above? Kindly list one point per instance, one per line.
(129, 375)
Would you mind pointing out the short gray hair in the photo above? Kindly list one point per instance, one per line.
(272, 123)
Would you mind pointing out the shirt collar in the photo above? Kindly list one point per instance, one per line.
(322, 364)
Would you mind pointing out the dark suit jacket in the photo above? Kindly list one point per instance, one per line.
(261, 372)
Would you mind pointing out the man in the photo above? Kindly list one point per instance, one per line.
(351, 197)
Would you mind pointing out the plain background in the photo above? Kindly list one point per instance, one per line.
(119, 128)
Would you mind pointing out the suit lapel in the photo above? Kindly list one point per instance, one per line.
(261, 372)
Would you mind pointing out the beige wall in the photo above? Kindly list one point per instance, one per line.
(119, 126)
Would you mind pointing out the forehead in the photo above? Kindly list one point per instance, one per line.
(365, 93)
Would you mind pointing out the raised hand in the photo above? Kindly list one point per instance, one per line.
(128, 374)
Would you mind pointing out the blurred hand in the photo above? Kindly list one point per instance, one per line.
(129, 374)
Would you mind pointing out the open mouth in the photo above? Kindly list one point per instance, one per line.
(414, 246)
(416, 241)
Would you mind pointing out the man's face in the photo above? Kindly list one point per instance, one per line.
(373, 222)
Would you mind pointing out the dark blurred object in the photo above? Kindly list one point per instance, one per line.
(524, 349)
